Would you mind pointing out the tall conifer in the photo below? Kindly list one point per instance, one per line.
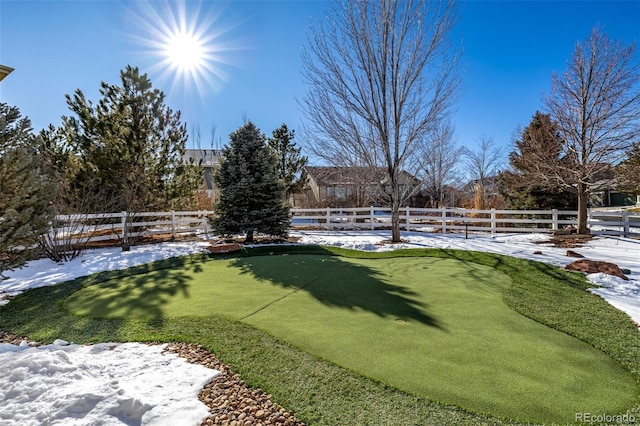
(523, 186)
(251, 194)
(131, 144)
(25, 213)
(290, 162)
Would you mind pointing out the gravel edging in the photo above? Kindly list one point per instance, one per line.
(229, 400)
(14, 339)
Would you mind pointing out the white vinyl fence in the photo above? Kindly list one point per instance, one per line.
(113, 226)
(123, 225)
(446, 220)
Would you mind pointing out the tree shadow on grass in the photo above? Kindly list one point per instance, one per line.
(336, 282)
(140, 295)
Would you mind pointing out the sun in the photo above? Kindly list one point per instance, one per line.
(184, 44)
(186, 52)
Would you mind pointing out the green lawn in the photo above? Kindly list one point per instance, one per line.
(437, 328)
(366, 336)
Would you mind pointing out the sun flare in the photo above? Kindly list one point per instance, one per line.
(185, 51)
(185, 45)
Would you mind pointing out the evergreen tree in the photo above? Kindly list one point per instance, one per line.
(628, 172)
(251, 194)
(25, 213)
(290, 163)
(131, 146)
(538, 143)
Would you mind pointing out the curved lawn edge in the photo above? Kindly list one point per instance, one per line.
(320, 392)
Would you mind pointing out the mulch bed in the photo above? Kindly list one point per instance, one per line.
(567, 241)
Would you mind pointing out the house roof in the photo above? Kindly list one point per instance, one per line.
(4, 71)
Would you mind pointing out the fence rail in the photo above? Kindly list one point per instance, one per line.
(110, 226)
(455, 220)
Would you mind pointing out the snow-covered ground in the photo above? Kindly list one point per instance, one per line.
(122, 384)
(103, 384)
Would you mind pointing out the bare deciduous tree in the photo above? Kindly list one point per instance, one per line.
(75, 221)
(596, 103)
(441, 160)
(382, 75)
(482, 164)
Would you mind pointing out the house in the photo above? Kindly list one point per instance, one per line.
(4, 71)
(613, 198)
(209, 160)
(349, 186)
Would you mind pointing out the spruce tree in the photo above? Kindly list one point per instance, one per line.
(25, 213)
(290, 162)
(628, 172)
(524, 187)
(251, 194)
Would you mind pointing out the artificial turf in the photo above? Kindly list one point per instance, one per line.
(437, 328)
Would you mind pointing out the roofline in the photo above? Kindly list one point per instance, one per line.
(4, 71)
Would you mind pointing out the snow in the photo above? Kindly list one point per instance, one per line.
(44, 272)
(131, 383)
(105, 384)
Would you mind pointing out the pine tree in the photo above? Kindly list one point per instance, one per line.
(290, 162)
(131, 145)
(251, 194)
(25, 213)
(523, 187)
(628, 172)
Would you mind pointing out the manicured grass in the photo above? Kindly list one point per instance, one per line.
(320, 392)
(433, 327)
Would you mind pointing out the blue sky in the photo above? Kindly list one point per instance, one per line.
(511, 49)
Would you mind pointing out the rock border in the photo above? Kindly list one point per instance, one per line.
(229, 400)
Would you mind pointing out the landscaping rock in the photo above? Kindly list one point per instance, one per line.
(14, 339)
(229, 399)
(566, 231)
(224, 247)
(595, 266)
(571, 253)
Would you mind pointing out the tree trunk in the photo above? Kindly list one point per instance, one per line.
(479, 196)
(249, 237)
(582, 209)
(395, 219)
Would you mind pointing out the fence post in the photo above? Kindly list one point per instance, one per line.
(173, 225)
(125, 231)
(328, 218)
(554, 219)
(371, 217)
(625, 217)
(493, 221)
(205, 222)
(407, 213)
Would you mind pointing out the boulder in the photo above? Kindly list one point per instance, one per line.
(571, 253)
(224, 247)
(594, 266)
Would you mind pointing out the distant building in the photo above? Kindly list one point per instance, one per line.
(349, 186)
(209, 160)
(4, 71)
